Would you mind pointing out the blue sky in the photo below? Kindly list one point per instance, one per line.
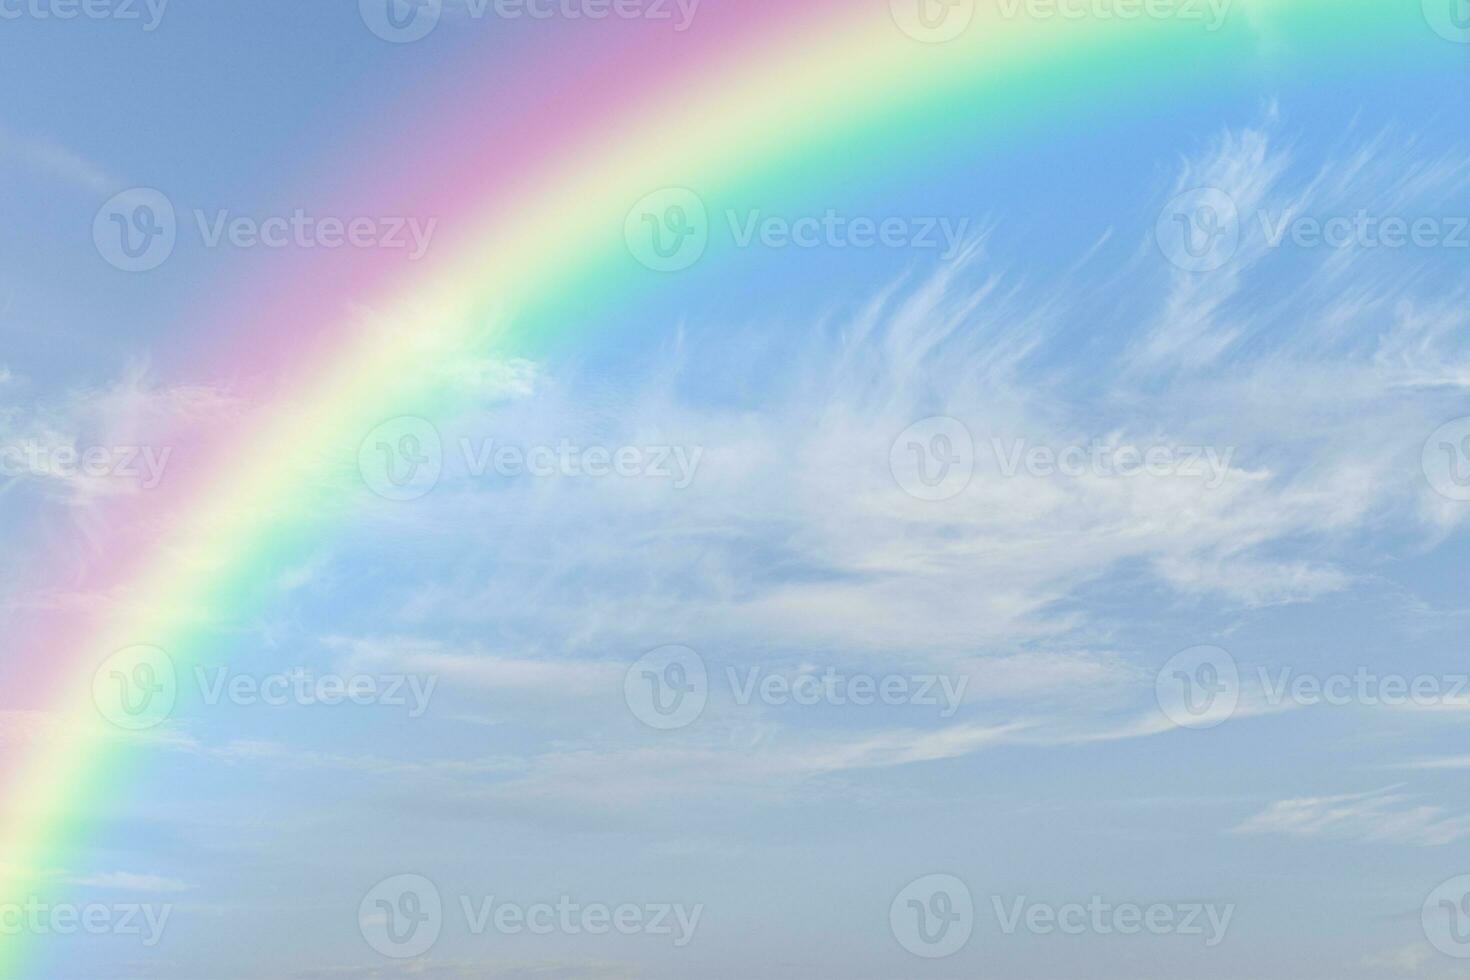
(1304, 520)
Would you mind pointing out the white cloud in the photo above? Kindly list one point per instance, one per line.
(50, 159)
(1418, 960)
(1443, 762)
(127, 881)
(1378, 816)
(133, 420)
(795, 544)
(479, 669)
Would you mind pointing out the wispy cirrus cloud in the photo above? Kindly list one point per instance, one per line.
(1382, 816)
(47, 158)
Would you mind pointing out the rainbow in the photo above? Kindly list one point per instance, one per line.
(759, 100)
